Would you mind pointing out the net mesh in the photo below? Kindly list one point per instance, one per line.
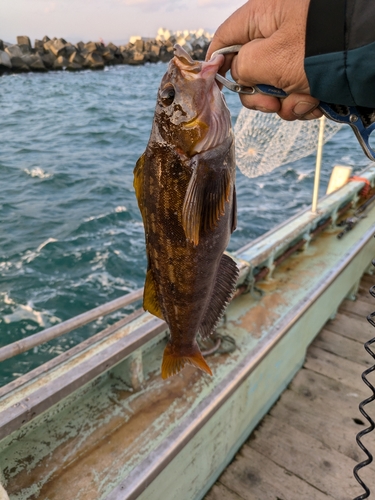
(265, 141)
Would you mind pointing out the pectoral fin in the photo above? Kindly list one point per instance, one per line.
(205, 199)
(150, 299)
(216, 194)
(192, 209)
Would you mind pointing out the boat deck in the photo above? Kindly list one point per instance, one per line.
(305, 447)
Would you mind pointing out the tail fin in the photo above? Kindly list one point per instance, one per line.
(174, 361)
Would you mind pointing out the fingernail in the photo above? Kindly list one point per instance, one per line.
(303, 107)
(316, 113)
(265, 110)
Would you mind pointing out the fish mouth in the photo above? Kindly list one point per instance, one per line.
(185, 59)
(205, 69)
(214, 116)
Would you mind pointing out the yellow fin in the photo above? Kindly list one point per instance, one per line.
(173, 362)
(150, 299)
(138, 181)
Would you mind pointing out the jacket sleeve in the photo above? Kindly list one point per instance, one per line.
(340, 51)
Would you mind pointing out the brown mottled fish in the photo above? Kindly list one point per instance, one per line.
(184, 184)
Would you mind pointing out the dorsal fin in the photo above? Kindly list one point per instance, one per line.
(226, 279)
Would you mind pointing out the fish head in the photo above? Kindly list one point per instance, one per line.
(191, 113)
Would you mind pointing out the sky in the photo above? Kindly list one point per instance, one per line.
(111, 20)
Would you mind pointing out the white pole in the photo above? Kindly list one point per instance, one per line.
(319, 155)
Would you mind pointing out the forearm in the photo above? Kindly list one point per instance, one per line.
(340, 51)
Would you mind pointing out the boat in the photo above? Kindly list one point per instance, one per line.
(98, 422)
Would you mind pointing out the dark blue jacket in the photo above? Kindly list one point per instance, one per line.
(340, 51)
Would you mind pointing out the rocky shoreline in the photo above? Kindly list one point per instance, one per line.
(58, 54)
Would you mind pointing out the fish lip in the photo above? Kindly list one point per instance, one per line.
(211, 67)
(184, 61)
(196, 69)
(181, 53)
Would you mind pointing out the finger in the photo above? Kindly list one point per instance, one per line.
(233, 31)
(268, 61)
(227, 63)
(261, 102)
(298, 107)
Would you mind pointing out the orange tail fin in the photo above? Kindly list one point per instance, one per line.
(174, 361)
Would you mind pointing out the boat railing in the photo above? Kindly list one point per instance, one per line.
(135, 335)
(255, 260)
(60, 329)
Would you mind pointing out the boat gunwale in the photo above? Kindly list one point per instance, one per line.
(259, 255)
(143, 474)
(41, 399)
(27, 408)
(352, 188)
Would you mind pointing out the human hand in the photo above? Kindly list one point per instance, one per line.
(273, 34)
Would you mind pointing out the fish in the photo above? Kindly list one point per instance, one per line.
(185, 187)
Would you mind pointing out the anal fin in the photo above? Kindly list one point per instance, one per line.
(226, 279)
(138, 182)
(150, 299)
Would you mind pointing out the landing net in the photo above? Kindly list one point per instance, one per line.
(265, 141)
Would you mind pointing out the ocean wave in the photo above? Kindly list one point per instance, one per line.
(303, 175)
(37, 172)
(119, 209)
(27, 312)
(30, 255)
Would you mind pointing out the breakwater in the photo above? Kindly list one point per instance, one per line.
(58, 54)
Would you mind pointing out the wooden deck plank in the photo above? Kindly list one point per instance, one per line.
(334, 367)
(306, 457)
(368, 280)
(351, 327)
(221, 492)
(343, 347)
(308, 437)
(357, 308)
(321, 389)
(364, 294)
(314, 418)
(253, 476)
(333, 402)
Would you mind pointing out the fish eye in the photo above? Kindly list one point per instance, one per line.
(167, 95)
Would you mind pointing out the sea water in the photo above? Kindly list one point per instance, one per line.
(71, 235)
